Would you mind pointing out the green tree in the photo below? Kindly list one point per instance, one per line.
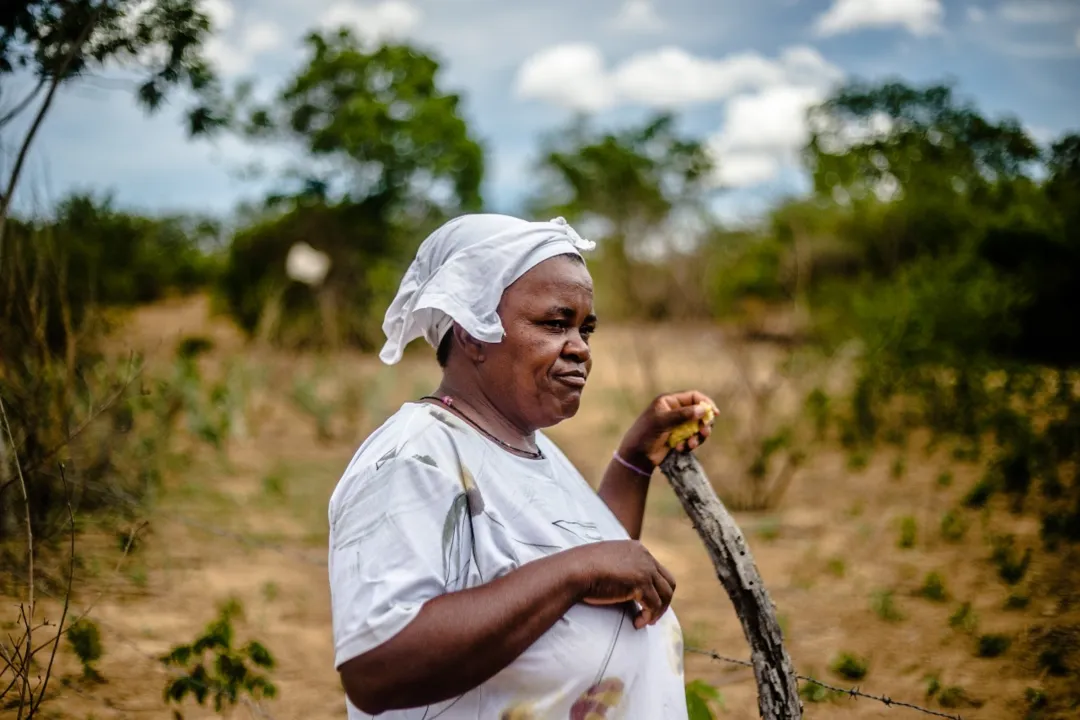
(631, 183)
(380, 126)
(387, 155)
(55, 42)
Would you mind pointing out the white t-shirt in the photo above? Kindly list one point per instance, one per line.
(428, 506)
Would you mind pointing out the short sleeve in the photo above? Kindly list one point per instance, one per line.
(399, 536)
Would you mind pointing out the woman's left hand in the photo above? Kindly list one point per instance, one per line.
(647, 437)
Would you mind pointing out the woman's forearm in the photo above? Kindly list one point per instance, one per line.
(461, 639)
(625, 492)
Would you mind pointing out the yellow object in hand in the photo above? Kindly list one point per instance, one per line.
(691, 427)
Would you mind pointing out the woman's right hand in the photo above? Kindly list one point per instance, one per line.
(618, 571)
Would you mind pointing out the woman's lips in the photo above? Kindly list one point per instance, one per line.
(574, 380)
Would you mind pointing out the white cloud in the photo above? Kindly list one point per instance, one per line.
(919, 17)
(1078, 38)
(383, 21)
(976, 14)
(638, 16)
(574, 76)
(746, 169)
(258, 38)
(1033, 12)
(221, 13)
(765, 118)
(570, 75)
(762, 134)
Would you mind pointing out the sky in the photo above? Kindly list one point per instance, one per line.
(740, 74)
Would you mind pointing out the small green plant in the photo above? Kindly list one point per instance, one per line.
(701, 698)
(980, 493)
(274, 484)
(1011, 565)
(812, 692)
(1016, 601)
(964, 619)
(138, 576)
(84, 638)
(953, 526)
(850, 666)
(1037, 701)
(270, 591)
(769, 529)
(993, 645)
(933, 588)
(898, 468)
(945, 479)
(884, 606)
(1057, 652)
(955, 696)
(857, 460)
(908, 530)
(933, 685)
(836, 567)
(817, 406)
(212, 668)
(306, 397)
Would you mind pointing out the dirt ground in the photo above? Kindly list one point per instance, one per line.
(252, 525)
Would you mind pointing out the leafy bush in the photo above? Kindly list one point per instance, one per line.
(65, 398)
(964, 618)
(701, 698)
(212, 668)
(883, 603)
(84, 638)
(992, 645)
(850, 666)
(933, 588)
(907, 533)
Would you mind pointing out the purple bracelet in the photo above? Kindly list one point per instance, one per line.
(628, 466)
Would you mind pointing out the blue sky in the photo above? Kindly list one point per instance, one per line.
(740, 73)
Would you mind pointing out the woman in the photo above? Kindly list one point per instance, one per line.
(473, 571)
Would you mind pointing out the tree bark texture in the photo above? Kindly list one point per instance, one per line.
(778, 690)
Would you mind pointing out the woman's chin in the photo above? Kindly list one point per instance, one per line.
(561, 408)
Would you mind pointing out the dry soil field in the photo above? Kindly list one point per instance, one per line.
(252, 525)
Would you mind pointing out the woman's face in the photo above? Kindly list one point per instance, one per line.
(539, 369)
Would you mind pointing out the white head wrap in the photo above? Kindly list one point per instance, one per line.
(460, 272)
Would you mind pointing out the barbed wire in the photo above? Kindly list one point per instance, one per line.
(853, 692)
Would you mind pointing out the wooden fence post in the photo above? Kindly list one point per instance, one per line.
(778, 689)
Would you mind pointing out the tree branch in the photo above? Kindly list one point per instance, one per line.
(22, 105)
(778, 689)
(54, 83)
(29, 556)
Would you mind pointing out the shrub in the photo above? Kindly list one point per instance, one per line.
(84, 638)
(933, 588)
(212, 668)
(907, 533)
(964, 618)
(701, 698)
(953, 526)
(884, 606)
(992, 645)
(850, 666)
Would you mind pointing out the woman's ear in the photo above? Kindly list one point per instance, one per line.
(470, 346)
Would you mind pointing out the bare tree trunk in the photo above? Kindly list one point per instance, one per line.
(778, 689)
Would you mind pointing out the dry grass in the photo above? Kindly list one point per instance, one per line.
(826, 551)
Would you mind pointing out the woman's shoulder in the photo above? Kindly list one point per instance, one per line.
(419, 432)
